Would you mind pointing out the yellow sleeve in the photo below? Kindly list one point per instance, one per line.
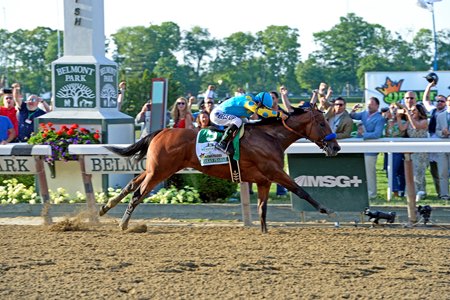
(267, 113)
(251, 106)
(262, 111)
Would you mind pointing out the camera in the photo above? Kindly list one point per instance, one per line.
(7, 91)
(376, 215)
(425, 212)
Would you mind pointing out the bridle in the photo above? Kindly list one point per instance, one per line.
(322, 142)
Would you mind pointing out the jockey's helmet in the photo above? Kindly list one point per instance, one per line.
(265, 99)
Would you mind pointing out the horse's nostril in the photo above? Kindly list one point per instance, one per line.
(336, 148)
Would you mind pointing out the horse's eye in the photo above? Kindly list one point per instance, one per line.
(322, 124)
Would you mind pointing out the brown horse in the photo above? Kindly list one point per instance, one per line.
(261, 158)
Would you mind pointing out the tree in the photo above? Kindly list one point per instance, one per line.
(280, 48)
(26, 56)
(196, 45)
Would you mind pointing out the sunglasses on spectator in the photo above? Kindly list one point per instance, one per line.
(409, 98)
(440, 100)
(181, 103)
(339, 104)
(209, 102)
(8, 97)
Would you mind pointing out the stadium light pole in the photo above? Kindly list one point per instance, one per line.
(429, 4)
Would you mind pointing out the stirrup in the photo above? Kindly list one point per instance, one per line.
(222, 148)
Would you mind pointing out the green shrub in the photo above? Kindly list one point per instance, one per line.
(27, 180)
(172, 195)
(211, 189)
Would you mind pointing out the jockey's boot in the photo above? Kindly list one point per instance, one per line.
(226, 138)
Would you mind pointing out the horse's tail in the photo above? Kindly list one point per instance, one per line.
(138, 149)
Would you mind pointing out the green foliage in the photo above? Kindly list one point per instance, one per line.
(172, 195)
(27, 180)
(211, 189)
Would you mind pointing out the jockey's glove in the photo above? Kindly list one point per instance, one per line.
(282, 116)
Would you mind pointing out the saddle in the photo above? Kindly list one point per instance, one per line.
(208, 155)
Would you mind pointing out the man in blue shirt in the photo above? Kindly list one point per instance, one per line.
(232, 111)
(371, 127)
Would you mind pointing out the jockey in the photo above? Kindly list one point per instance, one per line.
(233, 111)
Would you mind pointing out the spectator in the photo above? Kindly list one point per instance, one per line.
(191, 100)
(121, 94)
(181, 114)
(324, 97)
(28, 112)
(208, 105)
(203, 120)
(232, 112)
(443, 131)
(417, 127)
(434, 111)
(410, 99)
(210, 92)
(398, 169)
(339, 119)
(7, 132)
(239, 92)
(9, 110)
(285, 99)
(144, 117)
(372, 128)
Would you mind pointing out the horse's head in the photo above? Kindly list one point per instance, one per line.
(311, 124)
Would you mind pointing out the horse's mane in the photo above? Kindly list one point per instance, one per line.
(268, 121)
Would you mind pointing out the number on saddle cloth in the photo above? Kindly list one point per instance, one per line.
(208, 154)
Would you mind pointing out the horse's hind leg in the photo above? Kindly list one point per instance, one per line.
(137, 198)
(130, 187)
(263, 196)
(146, 186)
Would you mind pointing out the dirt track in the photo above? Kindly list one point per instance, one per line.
(224, 262)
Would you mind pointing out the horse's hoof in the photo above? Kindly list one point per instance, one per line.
(123, 226)
(329, 212)
(332, 214)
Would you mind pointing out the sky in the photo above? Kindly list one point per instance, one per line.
(223, 18)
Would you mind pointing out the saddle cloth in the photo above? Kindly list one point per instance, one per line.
(207, 154)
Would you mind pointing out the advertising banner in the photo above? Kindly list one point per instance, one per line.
(390, 87)
(338, 182)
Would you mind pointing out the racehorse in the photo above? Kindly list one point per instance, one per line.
(261, 158)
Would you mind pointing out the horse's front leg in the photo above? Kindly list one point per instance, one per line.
(130, 187)
(286, 181)
(263, 197)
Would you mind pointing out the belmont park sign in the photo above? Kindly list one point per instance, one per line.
(75, 86)
(113, 164)
(104, 164)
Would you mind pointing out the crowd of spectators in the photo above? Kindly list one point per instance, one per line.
(20, 114)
